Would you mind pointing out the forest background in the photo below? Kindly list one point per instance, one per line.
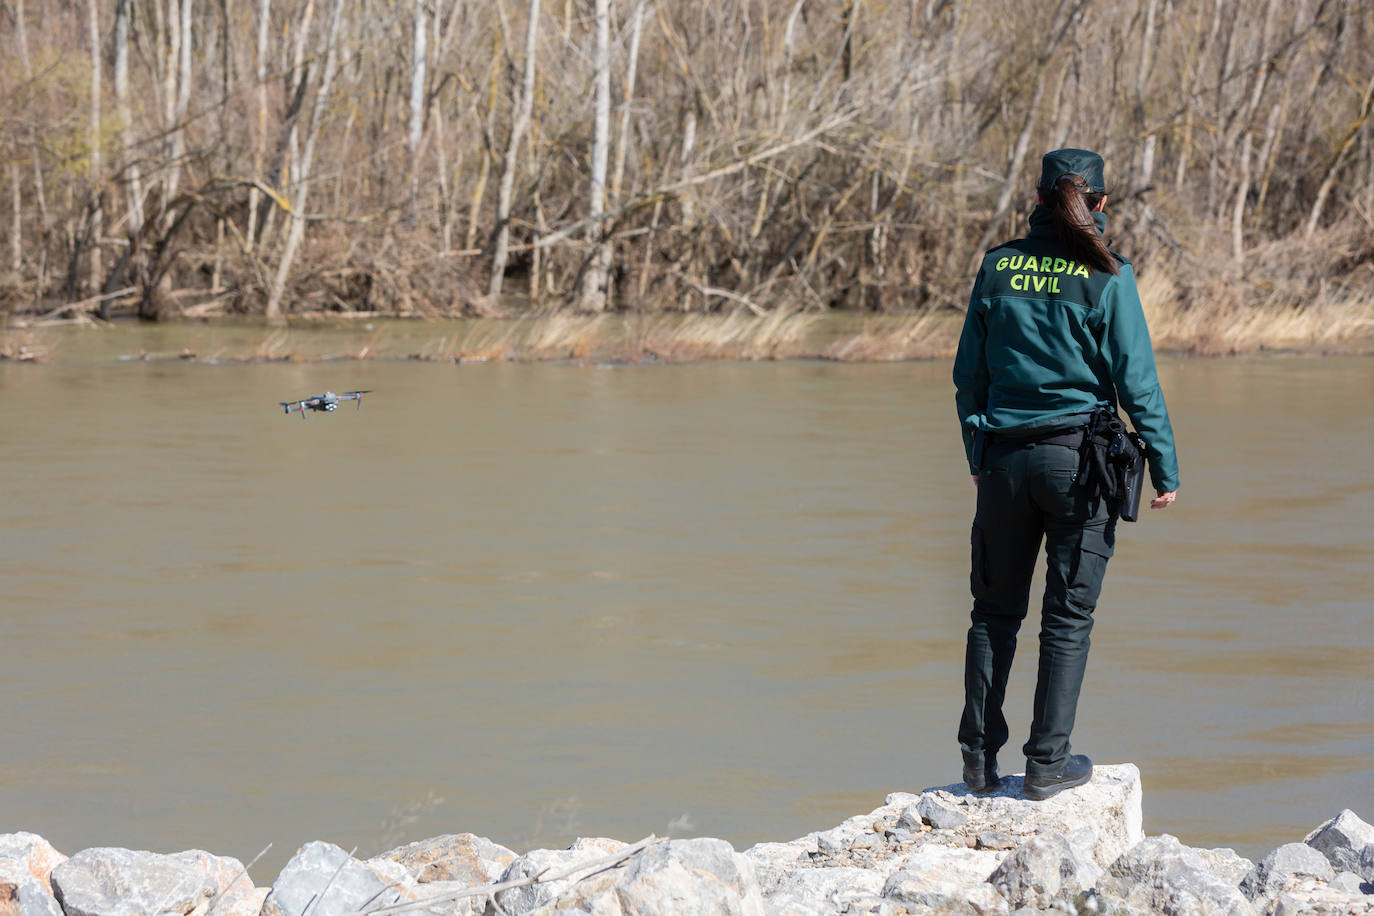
(755, 158)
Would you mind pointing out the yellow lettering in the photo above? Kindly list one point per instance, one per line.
(1018, 285)
(1039, 283)
(1045, 264)
(1060, 265)
(1054, 284)
(1001, 263)
(1082, 271)
(1015, 263)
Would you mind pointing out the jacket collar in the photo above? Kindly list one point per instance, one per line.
(1042, 223)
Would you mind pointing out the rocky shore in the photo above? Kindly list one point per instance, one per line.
(944, 851)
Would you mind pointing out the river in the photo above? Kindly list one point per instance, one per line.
(538, 601)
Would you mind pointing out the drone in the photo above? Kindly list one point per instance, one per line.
(329, 401)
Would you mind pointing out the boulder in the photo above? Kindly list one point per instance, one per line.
(938, 814)
(530, 897)
(461, 857)
(126, 882)
(1350, 883)
(951, 863)
(683, 877)
(1312, 899)
(1110, 804)
(37, 854)
(21, 894)
(1285, 868)
(333, 883)
(1160, 874)
(923, 892)
(1347, 842)
(1045, 870)
(823, 890)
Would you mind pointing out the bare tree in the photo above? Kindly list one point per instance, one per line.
(519, 125)
(297, 220)
(417, 105)
(96, 222)
(594, 294)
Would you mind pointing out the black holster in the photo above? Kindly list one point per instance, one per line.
(1111, 464)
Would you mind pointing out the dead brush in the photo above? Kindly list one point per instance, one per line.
(929, 335)
(1279, 298)
(780, 334)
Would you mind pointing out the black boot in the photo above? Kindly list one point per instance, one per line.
(1077, 770)
(980, 773)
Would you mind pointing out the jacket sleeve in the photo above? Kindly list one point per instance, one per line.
(1131, 360)
(971, 372)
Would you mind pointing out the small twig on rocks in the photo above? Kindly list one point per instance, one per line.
(593, 867)
(315, 900)
(219, 895)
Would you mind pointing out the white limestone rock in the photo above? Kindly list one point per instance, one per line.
(1162, 875)
(676, 878)
(1285, 868)
(1045, 870)
(526, 899)
(919, 891)
(337, 883)
(1347, 842)
(462, 857)
(829, 890)
(1350, 883)
(938, 814)
(967, 866)
(21, 894)
(1310, 898)
(1110, 804)
(37, 854)
(124, 882)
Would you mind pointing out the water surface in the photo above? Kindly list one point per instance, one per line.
(541, 601)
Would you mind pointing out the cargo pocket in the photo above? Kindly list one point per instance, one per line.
(1088, 565)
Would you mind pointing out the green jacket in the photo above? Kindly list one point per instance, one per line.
(1046, 338)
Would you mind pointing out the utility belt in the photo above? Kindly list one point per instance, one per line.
(1111, 458)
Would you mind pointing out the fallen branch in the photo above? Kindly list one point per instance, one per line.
(709, 291)
(86, 303)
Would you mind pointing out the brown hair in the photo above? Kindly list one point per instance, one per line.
(1072, 210)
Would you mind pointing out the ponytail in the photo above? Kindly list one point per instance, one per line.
(1072, 212)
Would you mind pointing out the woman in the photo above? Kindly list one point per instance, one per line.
(1054, 332)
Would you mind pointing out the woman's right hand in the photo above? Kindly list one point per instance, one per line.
(1163, 500)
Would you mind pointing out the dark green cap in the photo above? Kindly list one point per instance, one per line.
(1083, 163)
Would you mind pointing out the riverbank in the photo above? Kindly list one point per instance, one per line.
(942, 851)
(670, 337)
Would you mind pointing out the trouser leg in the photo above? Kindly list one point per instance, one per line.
(1005, 541)
(1079, 538)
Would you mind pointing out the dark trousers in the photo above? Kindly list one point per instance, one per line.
(1026, 495)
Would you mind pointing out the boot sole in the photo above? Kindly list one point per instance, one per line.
(1040, 793)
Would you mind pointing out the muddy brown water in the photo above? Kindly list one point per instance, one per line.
(538, 601)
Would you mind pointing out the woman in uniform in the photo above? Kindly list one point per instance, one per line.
(1054, 334)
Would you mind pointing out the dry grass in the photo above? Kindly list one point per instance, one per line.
(930, 335)
(1279, 299)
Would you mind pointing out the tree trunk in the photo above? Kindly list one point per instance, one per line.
(97, 227)
(417, 108)
(517, 131)
(17, 226)
(595, 291)
(1238, 211)
(260, 135)
(296, 231)
(1330, 180)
